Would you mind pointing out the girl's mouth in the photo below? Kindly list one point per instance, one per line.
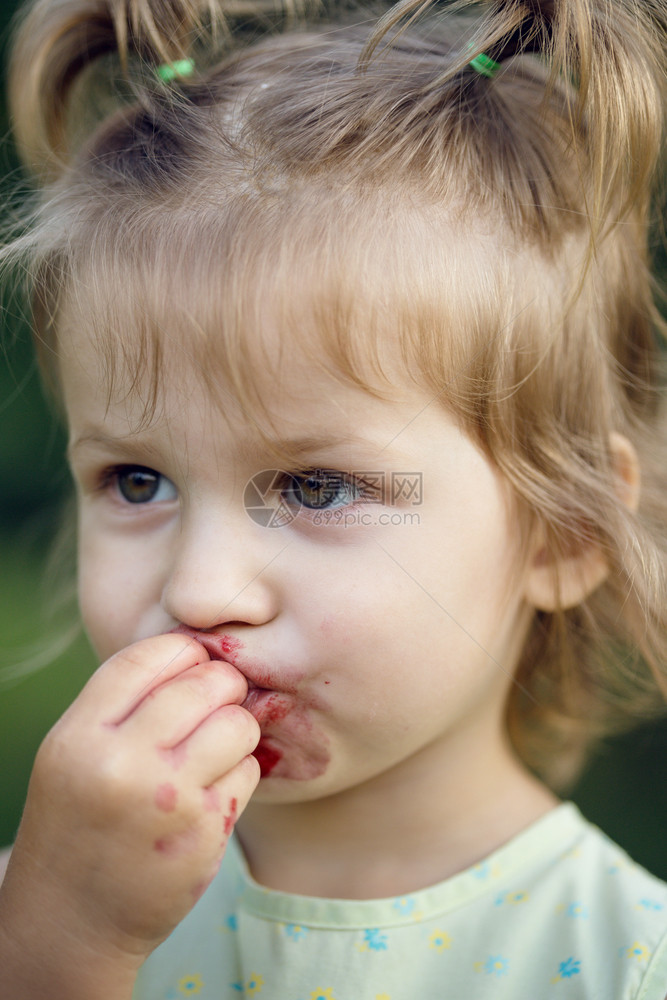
(266, 706)
(274, 694)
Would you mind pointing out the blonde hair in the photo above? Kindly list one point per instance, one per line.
(383, 196)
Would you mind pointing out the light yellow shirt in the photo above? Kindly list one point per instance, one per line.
(558, 912)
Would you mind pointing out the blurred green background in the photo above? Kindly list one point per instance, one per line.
(624, 790)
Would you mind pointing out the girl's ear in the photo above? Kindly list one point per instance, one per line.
(566, 580)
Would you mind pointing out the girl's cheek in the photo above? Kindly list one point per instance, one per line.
(120, 587)
(105, 613)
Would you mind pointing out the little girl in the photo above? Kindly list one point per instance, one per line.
(353, 329)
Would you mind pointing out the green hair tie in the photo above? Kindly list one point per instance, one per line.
(171, 71)
(485, 65)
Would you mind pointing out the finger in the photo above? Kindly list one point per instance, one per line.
(230, 795)
(224, 802)
(119, 686)
(216, 746)
(172, 710)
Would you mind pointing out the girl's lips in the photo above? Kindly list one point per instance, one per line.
(222, 646)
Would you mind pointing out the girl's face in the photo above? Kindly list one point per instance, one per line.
(378, 621)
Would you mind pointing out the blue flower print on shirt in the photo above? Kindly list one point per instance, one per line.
(253, 985)
(405, 905)
(486, 870)
(295, 931)
(231, 923)
(567, 969)
(374, 940)
(482, 871)
(649, 904)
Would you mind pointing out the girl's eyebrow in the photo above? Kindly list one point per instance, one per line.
(326, 442)
(293, 446)
(107, 441)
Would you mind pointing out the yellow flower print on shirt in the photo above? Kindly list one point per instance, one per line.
(189, 986)
(486, 870)
(638, 951)
(322, 994)
(439, 941)
(254, 985)
(513, 898)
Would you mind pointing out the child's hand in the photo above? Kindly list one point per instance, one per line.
(133, 796)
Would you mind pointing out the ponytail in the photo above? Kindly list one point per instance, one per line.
(611, 51)
(58, 39)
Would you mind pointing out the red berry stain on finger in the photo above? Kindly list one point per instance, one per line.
(267, 757)
(165, 797)
(212, 799)
(231, 819)
(177, 844)
(176, 756)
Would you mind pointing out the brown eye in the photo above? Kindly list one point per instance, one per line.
(138, 485)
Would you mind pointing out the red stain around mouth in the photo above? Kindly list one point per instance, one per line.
(267, 757)
(229, 645)
(267, 706)
(218, 647)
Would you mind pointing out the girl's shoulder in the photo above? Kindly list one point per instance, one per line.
(558, 907)
(618, 908)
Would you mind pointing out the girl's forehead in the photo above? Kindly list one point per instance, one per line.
(246, 285)
(306, 411)
(290, 398)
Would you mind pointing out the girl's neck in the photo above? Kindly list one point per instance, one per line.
(398, 833)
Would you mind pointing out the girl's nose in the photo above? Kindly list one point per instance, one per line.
(223, 571)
